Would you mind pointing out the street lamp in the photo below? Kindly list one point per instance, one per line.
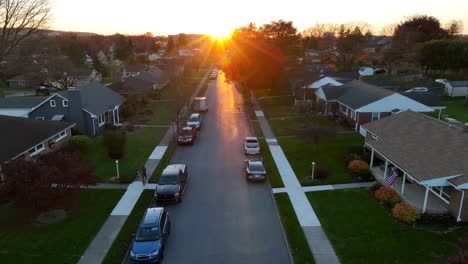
(117, 167)
(313, 169)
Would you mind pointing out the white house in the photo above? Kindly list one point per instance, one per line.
(456, 88)
(325, 81)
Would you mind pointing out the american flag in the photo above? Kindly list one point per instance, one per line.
(392, 178)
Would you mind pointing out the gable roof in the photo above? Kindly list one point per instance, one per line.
(97, 98)
(358, 94)
(384, 83)
(132, 85)
(324, 81)
(344, 76)
(152, 75)
(423, 146)
(333, 92)
(20, 103)
(21, 134)
(427, 98)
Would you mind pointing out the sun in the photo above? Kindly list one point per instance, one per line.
(220, 35)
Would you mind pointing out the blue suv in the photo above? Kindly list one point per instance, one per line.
(148, 243)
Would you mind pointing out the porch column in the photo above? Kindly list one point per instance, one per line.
(425, 199)
(403, 184)
(371, 158)
(326, 108)
(461, 206)
(440, 112)
(385, 171)
(113, 116)
(117, 110)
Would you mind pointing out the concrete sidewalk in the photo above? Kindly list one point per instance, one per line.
(319, 244)
(318, 188)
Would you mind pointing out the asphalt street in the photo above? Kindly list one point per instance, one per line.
(223, 219)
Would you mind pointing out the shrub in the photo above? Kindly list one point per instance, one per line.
(375, 187)
(115, 140)
(320, 173)
(405, 213)
(386, 195)
(80, 143)
(358, 166)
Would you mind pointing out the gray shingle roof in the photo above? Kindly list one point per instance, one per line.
(20, 103)
(358, 94)
(333, 92)
(21, 134)
(427, 98)
(132, 85)
(97, 98)
(459, 83)
(457, 181)
(423, 146)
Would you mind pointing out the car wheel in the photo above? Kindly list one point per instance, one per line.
(179, 200)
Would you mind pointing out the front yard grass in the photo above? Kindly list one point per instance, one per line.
(123, 240)
(329, 154)
(361, 231)
(300, 250)
(63, 242)
(277, 106)
(140, 144)
(293, 125)
(455, 109)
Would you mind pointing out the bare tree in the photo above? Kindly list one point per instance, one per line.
(389, 29)
(454, 27)
(19, 19)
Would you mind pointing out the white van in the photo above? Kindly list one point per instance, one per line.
(199, 104)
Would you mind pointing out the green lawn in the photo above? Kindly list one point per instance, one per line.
(63, 242)
(293, 125)
(121, 244)
(163, 112)
(272, 172)
(277, 106)
(140, 144)
(328, 154)
(296, 239)
(455, 109)
(361, 231)
(166, 159)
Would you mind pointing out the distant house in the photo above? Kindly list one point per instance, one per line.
(23, 137)
(361, 103)
(154, 75)
(325, 81)
(90, 106)
(132, 70)
(22, 81)
(429, 158)
(133, 87)
(456, 88)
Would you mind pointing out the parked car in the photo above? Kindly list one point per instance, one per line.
(213, 76)
(149, 241)
(380, 71)
(42, 90)
(187, 135)
(172, 183)
(195, 121)
(254, 171)
(199, 104)
(418, 89)
(251, 146)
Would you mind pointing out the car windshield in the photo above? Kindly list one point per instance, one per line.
(147, 234)
(186, 132)
(256, 167)
(252, 141)
(193, 119)
(168, 179)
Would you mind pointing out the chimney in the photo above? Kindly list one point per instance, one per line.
(75, 108)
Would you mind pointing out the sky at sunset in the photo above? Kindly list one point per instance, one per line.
(219, 17)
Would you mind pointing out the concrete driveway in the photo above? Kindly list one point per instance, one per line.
(223, 219)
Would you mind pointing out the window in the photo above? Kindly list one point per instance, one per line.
(36, 149)
(375, 116)
(353, 115)
(21, 83)
(65, 103)
(40, 118)
(102, 119)
(53, 103)
(60, 136)
(343, 109)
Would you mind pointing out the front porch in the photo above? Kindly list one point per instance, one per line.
(412, 193)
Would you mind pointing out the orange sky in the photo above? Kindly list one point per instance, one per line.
(220, 17)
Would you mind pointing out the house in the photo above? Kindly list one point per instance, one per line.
(154, 75)
(132, 70)
(133, 87)
(26, 80)
(23, 137)
(325, 81)
(389, 84)
(90, 106)
(429, 158)
(326, 97)
(427, 98)
(456, 88)
(361, 103)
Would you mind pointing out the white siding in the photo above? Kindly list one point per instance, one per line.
(456, 91)
(395, 101)
(320, 94)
